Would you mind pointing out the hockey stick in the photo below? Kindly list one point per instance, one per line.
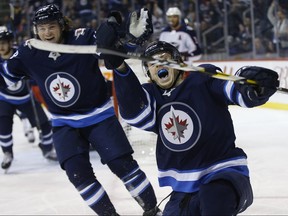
(12, 14)
(93, 49)
(37, 120)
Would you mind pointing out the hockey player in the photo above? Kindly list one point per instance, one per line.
(196, 152)
(17, 97)
(27, 128)
(82, 112)
(181, 36)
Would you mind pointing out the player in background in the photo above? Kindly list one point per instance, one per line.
(82, 112)
(17, 97)
(182, 36)
(196, 152)
(27, 128)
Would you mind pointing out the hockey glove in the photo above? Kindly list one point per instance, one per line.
(267, 81)
(108, 36)
(139, 26)
(211, 68)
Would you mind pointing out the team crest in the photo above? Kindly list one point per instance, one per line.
(63, 89)
(16, 87)
(180, 126)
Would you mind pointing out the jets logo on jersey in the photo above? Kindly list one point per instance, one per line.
(16, 87)
(63, 89)
(180, 126)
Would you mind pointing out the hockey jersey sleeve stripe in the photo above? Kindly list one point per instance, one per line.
(146, 112)
(151, 123)
(8, 75)
(228, 90)
(233, 95)
(15, 99)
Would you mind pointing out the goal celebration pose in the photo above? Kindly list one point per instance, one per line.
(82, 112)
(196, 153)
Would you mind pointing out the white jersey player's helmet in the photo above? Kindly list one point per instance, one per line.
(174, 11)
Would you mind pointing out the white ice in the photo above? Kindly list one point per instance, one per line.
(34, 186)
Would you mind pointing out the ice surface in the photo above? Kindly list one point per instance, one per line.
(34, 186)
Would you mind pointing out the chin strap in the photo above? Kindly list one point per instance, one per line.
(178, 75)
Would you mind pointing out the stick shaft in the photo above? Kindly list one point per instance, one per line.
(93, 49)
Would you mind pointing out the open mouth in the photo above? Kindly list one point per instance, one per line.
(162, 73)
(49, 39)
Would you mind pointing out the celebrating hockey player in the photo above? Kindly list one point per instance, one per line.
(17, 97)
(196, 152)
(82, 112)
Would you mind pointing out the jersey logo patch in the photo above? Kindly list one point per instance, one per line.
(180, 126)
(16, 87)
(78, 32)
(63, 89)
(54, 55)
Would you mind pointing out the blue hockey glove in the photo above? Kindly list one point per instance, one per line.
(108, 36)
(139, 26)
(267, 81)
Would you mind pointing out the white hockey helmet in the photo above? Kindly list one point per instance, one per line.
(174, 11)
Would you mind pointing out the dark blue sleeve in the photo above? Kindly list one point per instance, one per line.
(137, 107)
(2, 82)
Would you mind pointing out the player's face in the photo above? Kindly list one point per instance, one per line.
(164, 77)
(51, 32)
(173, 21)
(5, 48)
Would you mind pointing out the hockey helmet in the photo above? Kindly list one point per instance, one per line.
(48, 13)
(174, 11)
(158, 47)
(6, 34)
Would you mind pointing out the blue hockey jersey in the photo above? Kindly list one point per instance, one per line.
(17, 93)
(195, 131)
(72, 84)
